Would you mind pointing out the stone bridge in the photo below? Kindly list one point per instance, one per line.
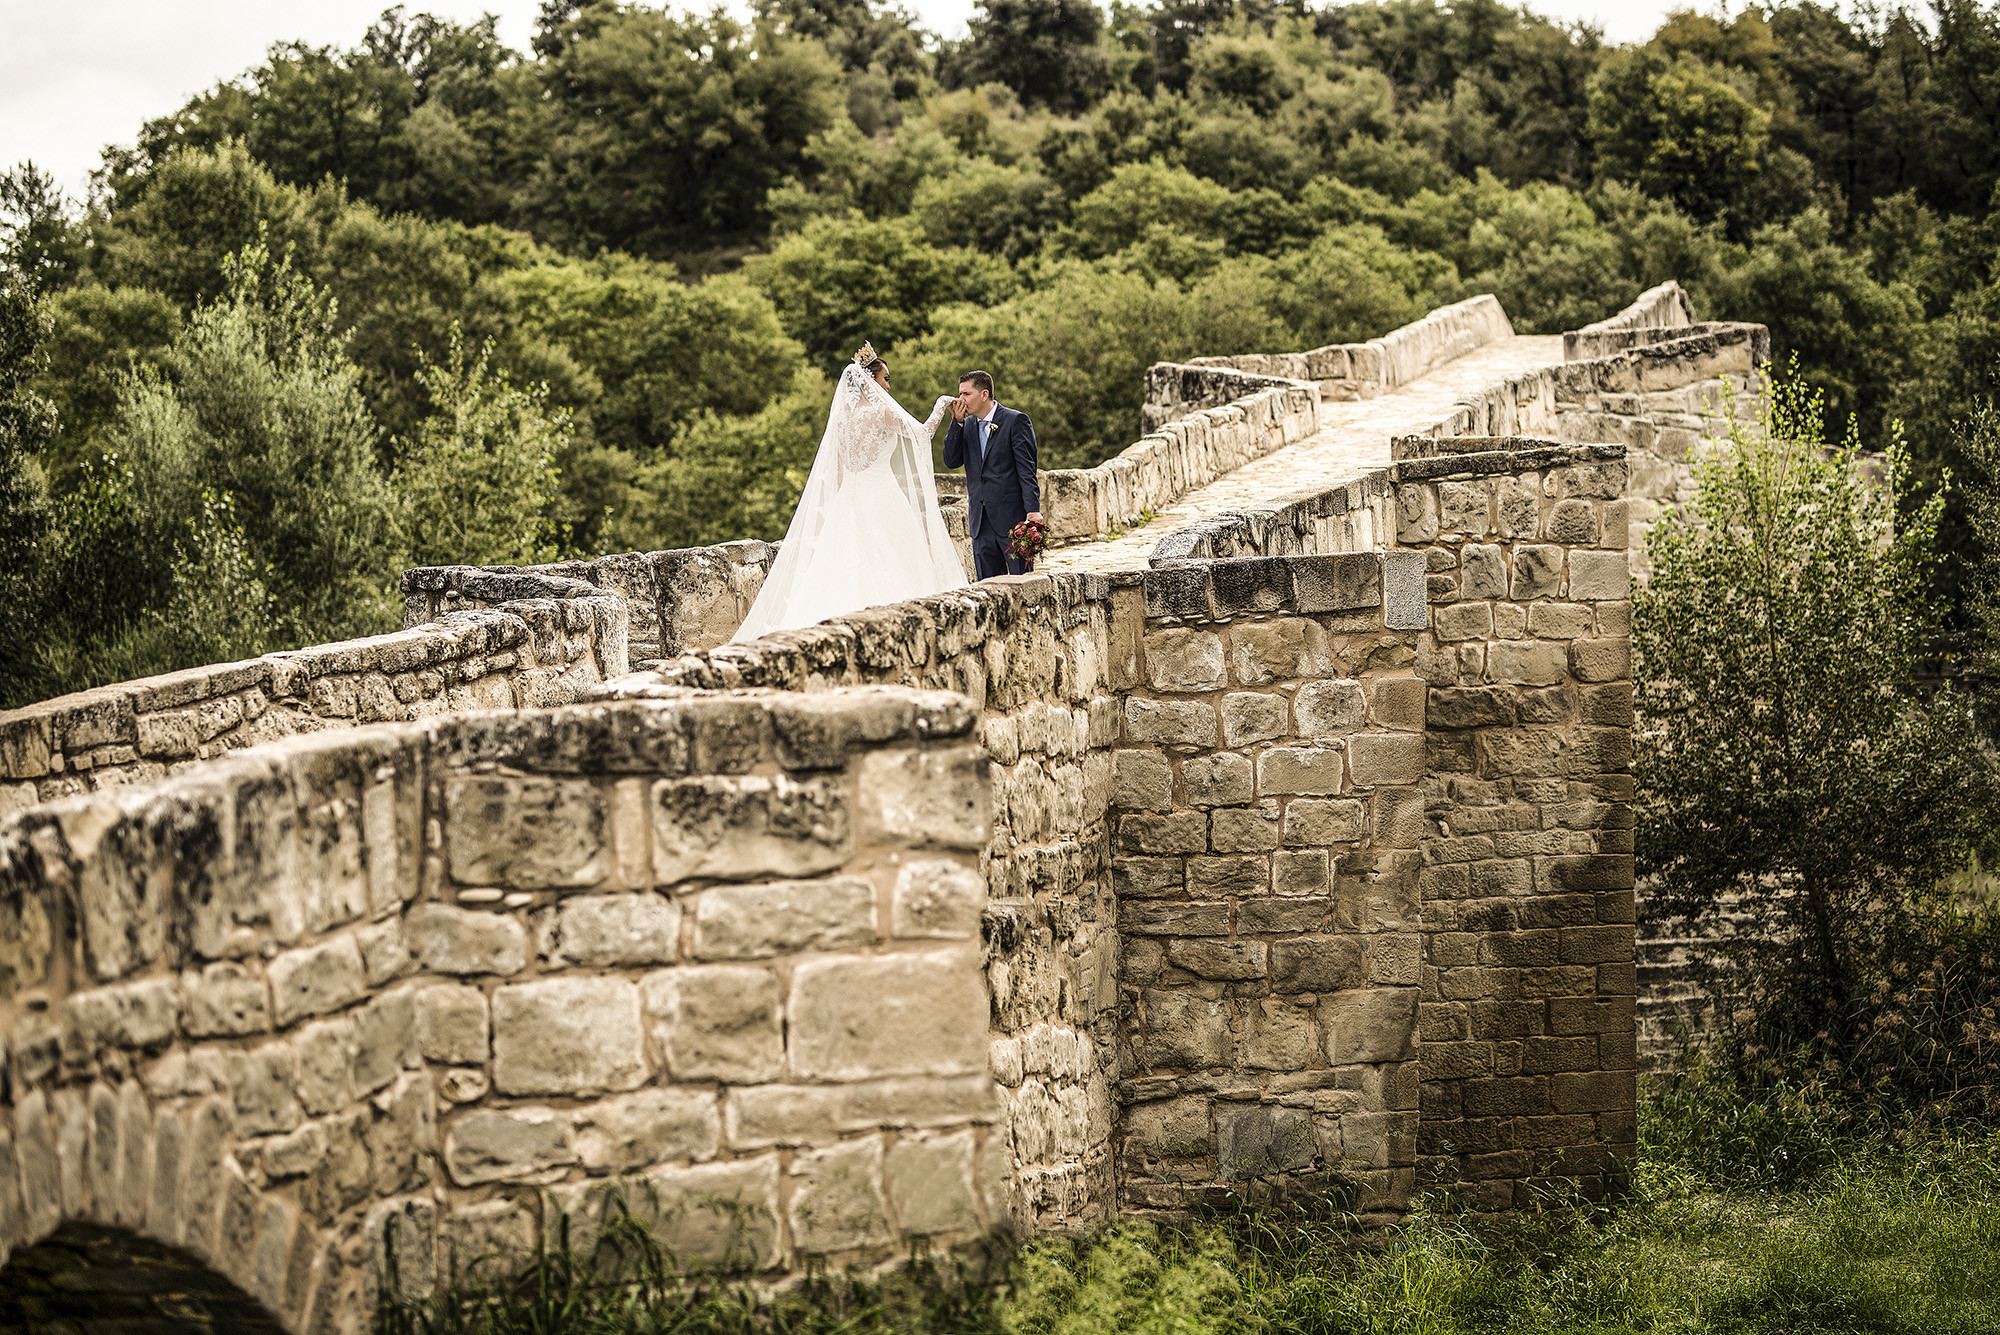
(1274, 837)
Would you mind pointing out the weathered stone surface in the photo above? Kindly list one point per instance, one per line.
(452, 1025)
(722, 1215)
(1279, 1035)
(318, 979)
(1311, 821)
(928, 1180)
(1369, 1024)
(1209, 958)
(756, 825)
(905, 1014)
(635, 927)
(837, 1202)
(568, 1036)
(1257, 1140)
(1142, 780)
(645, 1128)
(1377, 758)
(1184, 660)
(1329, 708)
(782, 917)
(1317, 964)
(1285, 770)
(762, 1115)
(1190, 722)
(937, 899)
(1251, 717)
(926, 797)
(489, 1145)
(452, 940)
(1222, 779)
(529, 833)
(1184, 1031)
(716, 1022)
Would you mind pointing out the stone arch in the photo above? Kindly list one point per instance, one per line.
(86, 1274)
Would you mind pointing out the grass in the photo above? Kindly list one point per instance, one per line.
(1765, 1213)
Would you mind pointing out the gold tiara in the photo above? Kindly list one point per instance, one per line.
(866, 355)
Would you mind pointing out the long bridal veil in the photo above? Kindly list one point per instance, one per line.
(868, 529)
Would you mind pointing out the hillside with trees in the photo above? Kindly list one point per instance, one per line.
(594, 291)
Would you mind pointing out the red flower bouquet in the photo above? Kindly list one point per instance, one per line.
(1026, 540)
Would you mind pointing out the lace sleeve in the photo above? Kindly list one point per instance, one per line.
(942, 407)
(871, 430)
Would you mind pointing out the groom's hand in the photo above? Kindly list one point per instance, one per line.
(958, 410)
(1034, 516)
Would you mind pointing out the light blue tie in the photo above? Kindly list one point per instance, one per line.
(985, 437)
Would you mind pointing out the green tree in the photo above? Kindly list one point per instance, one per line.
(478, 482)
(839, 281)
(258, 402)
(1675, 129)
(1046, 51)
(666, 132)
(39, 238)
(27, 425)
(1785, 755)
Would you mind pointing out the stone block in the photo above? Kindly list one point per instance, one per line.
(1295, 873)
(905, 1014)
(1260, 917)
(928, 1178)
(317, 980)
(1399, 818)
(1148, 878)
(633, 927)
(1184, 1031)
(646, 1127)
(1170, 722)
(1329, 708)
(738, 828)
(1220, 877)
(780, 917)
(1463, 621)
(715, 1216)
(1482, 572)
(1263, 651)
(716, 1022)
(1455, 707)
(937, 899)
(763, 1115)
(837, 1202)
(1318, 964)
(1559, 621)
(1229, 961)
(1142, 780)
(1385, 758)
(568, 1036)
(1279, 1035)
(1286, 770)
(1184, 660)
(936, 796)
(1601, 660)
(1376, 1024)
(141, 1014)
(1250, 717)
(447, 939)
(490, 1145)
(1527, 662)
(1168, 1129)
(452, 1025)
(1180, 832)
(1244, 830)
(529, 833)
(1310, 821)
(261, 1089)
(1258, 1140)
(1398, 702)
(1599, 576)
(1153, 918)
(1218, 780)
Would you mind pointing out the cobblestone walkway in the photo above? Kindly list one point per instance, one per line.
(1353, 438)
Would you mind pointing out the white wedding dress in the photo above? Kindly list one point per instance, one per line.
(868, 530)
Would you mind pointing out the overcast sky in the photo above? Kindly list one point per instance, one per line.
(74, 77)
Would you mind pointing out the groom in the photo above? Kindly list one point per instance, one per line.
(996, 447)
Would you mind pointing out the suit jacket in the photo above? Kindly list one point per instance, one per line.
(1002, 487)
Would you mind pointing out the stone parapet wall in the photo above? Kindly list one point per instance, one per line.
(1654, 310)
(533, 642)
(718, 954)
(1348, 371)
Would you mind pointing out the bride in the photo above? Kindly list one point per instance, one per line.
(868, 530)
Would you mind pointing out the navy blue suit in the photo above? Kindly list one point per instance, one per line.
(1001, 485)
